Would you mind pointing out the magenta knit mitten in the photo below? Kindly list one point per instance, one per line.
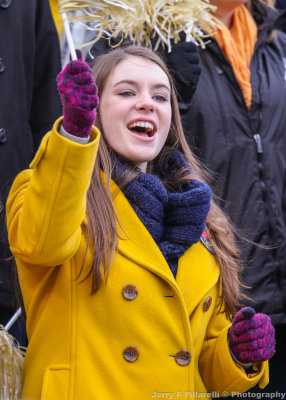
(78, 92)
(251, 336)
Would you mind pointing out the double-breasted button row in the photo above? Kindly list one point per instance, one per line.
(3, 136)
(5, 3)
(131, 354)
(130, 292)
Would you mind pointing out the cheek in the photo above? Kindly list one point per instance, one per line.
(107, 121)
(167, 121)
(165, 131)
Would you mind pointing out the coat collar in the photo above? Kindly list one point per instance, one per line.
(135, 241)
(198, 270)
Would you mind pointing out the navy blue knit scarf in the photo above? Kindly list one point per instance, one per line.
(175, 219)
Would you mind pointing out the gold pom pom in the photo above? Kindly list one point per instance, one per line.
(143, 20)
(11, 365)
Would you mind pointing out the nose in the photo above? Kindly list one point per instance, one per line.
(145, 104)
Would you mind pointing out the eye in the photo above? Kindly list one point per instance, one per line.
(161, 98)
(126, 93)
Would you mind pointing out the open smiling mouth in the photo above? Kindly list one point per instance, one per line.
(142, 128)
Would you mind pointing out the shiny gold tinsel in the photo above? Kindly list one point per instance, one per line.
(142, 20)
(11, 363)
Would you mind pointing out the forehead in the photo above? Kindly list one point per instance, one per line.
(138, 69)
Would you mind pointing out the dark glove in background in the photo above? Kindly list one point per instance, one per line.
(184, 65)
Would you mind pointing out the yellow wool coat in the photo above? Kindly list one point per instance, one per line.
(79, 344)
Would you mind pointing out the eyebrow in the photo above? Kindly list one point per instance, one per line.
(134, 83)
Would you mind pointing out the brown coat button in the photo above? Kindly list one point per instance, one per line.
(130, 292)
(131, 353)
(183, 357)
(207, 303)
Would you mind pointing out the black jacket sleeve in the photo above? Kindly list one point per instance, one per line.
(46, 105)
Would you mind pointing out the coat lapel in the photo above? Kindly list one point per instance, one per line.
(135, 241)
(198, 272)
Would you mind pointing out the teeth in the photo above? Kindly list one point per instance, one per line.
(142, 124)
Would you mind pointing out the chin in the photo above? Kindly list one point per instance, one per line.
(137, 159)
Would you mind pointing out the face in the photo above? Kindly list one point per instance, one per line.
(135, 110)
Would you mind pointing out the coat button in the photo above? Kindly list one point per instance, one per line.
(207, 303)
(131, 353)
(3, 136)
(183, 357)
(2, 66)
(1, 206)
(5, 3)
(130, 292)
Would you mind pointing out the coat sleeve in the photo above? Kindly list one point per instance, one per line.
(47, 203)
(216, 365)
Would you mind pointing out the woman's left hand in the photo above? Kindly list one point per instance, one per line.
(251, 336)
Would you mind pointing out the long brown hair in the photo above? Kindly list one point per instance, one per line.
(102, 217)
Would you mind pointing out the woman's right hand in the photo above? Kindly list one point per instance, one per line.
(79, 97)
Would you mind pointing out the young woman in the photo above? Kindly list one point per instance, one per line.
(128, 269)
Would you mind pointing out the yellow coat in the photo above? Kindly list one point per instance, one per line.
(77, 341)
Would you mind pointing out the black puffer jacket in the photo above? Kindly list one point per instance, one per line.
(246, 150)
(29, 102)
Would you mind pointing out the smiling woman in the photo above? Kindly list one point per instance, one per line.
(128, 268)
(136, 110)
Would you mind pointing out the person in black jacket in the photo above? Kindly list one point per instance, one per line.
(29, 103)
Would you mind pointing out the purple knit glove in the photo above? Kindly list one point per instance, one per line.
(251, 336)
(78, 92)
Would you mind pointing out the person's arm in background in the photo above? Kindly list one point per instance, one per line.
(46, 105)
(29, 104)
(183, 63)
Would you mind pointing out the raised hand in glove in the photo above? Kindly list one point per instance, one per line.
(251, 336)
(184, 65)
(78, 93)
